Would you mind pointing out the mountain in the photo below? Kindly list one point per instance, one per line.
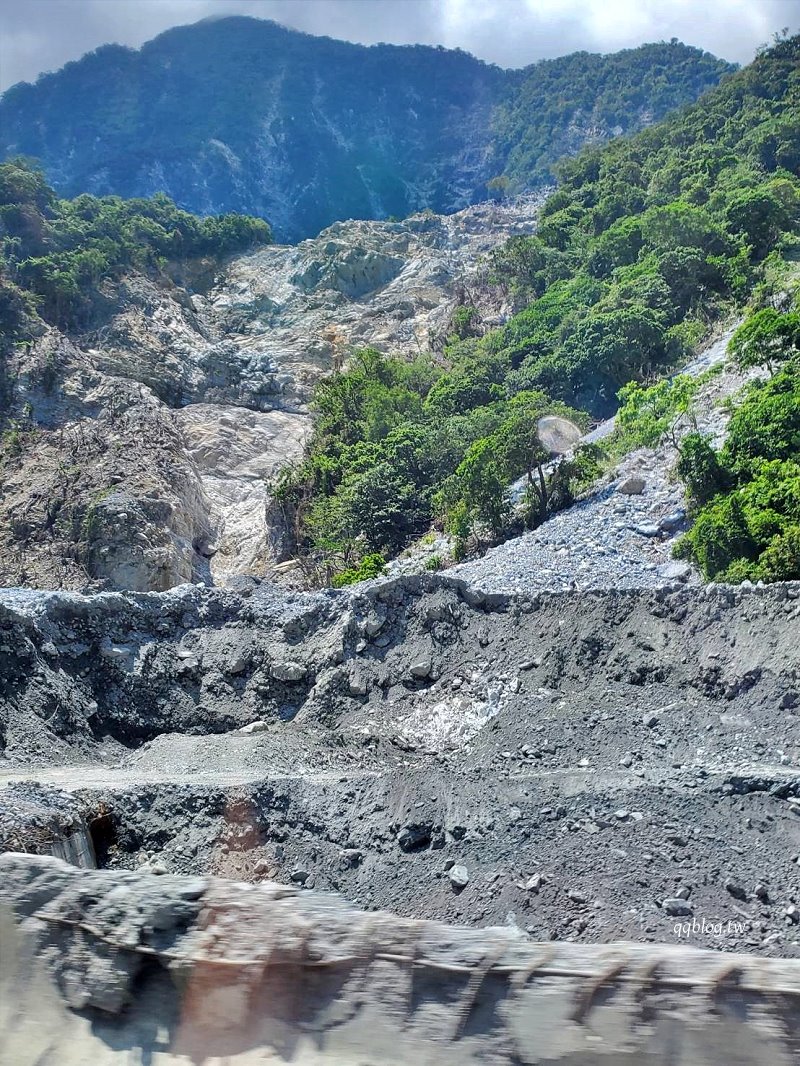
(151, 388)
(240, 114)
(645, 244)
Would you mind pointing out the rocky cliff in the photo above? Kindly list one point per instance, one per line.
(145, 446)
(244, 115)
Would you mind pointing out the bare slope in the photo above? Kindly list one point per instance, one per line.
(149, 443)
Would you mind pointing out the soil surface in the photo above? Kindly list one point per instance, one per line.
(583, 766)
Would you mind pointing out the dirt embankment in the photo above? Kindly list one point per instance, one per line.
(591, 765)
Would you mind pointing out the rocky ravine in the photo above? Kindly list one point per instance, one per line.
(148, 444)
(584, 766)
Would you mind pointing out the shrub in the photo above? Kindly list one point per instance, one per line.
(371, 566)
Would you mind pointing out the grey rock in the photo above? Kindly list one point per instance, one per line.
(421, 669)
(734, 889)
(675, 571)
(238, 664)
(415, 835)
(669, 523)
(254, 727)
(290, 671)
(677, 908)
(373, 625)
(651, 719)
(632, 486)
(357, 685)
(459, 877)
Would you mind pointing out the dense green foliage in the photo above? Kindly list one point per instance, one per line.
(747, 496)
(241, 114)
(612, 95)
(54, 253)
(648, 239)
(399, 444)
(649, 413)
(643, 245)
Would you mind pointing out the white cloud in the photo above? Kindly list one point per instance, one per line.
(40, 35)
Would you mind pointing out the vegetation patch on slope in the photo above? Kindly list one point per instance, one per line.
(746, 496)
(55, 253)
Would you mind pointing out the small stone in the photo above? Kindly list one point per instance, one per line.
(672, 521)
(626, 761)
(762, 892)
(373, 625)
(792, 915)
(459, 877)
(299, 876)
(676, 907)
(675, 571)
(682, 893)
(357, 686)
(421, 669)
(288, 671)
(534, 884)
(237, 664)
(414, 835)
(651, 719)
(254, 727)
(632, 486)
(647, 529)
(735, 889)
(576, 896)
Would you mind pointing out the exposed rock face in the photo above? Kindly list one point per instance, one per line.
(103, 966)
(387, 285)
(151, 441)
(245, 115)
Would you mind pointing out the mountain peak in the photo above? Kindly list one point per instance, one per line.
(244, 114)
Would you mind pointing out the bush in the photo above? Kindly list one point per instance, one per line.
(700, 469)
(371, 566)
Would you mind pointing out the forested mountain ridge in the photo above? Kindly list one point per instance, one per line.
(645, 243)
(240, 114)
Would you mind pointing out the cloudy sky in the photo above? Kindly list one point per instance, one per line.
(41, 35)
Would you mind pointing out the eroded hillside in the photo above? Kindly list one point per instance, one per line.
(145, 446)
(586, 765)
